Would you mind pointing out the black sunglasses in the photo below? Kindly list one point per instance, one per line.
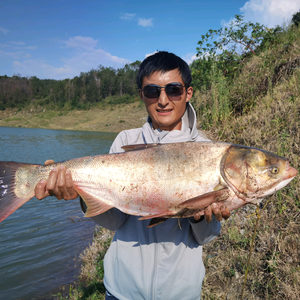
(173, 90)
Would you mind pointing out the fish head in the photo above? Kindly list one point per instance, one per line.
(254, 173)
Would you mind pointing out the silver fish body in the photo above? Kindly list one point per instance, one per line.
(158, 181)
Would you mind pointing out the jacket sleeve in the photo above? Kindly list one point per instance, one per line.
(205, 232)
(113, 218)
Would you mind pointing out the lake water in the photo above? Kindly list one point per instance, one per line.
(40, 242)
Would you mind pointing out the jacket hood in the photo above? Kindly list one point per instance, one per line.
(188, 132)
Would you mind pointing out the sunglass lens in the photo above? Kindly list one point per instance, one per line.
(174, 90)
(151, 92)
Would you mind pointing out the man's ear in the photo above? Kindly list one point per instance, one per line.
(141, 95)
(189, 94)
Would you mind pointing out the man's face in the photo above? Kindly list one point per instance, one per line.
(166, 112)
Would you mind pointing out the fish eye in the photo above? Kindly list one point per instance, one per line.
(274, 169)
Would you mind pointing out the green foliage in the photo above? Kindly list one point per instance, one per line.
(14, 91)
(231, 80)
(78, 93)
(216, 107)
(226, 48)
(239, 33)
(201, 72)
(237, 238)
(296, 18)
(113, 100)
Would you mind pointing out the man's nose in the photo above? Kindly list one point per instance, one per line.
(163, 97)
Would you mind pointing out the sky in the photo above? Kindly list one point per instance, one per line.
(59, 39)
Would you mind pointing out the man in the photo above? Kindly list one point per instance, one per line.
(165, 261)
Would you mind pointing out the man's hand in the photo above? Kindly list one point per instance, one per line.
(220, 212)
(59, 184)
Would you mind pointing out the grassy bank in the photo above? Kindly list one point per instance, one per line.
(106, 119)
(274, 273)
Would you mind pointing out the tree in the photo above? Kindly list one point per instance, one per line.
(247, 34)
(226, 48)
(296, 18)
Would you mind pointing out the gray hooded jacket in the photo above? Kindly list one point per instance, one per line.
(165, 261)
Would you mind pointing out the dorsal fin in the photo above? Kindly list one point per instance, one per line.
(138, 147)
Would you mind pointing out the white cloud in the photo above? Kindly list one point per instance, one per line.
(17, 63)
(270, 12)
(127, 16)
(225, 23)
(4, 30)
(189, 57)
(81, 42)
(149, 54)
(17, 46)
(145, 22)
(26, 47)
(85, 57)
(17, 43)
(15, 55)
(141, 21)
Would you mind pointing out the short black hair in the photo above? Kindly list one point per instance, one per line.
(163, 61)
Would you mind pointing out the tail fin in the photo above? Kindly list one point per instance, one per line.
(9, 201)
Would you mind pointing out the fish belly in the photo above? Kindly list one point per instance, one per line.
(149, 182)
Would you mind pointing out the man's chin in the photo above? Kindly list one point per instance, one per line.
(165, 124)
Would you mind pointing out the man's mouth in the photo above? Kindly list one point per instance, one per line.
(164, 111)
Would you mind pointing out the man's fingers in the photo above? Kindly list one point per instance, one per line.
(61, 183)
(197, 216)
(65, 184)
(217, 212)
(70, 186)
(52, 184)
(49, 162)
(208, 214)
(225, 212)
(52, 179)
(40, 190)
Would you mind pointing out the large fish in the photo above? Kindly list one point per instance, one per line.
(158, 181)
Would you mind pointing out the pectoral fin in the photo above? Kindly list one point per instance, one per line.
(203, 201)
(155, 221)
(164, 214)
(95, 206)
(189, 207)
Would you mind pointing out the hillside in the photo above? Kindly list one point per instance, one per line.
(268, 88)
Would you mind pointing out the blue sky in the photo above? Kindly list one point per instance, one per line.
(60, 39)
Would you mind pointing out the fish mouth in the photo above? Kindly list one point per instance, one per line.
(290, 172)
